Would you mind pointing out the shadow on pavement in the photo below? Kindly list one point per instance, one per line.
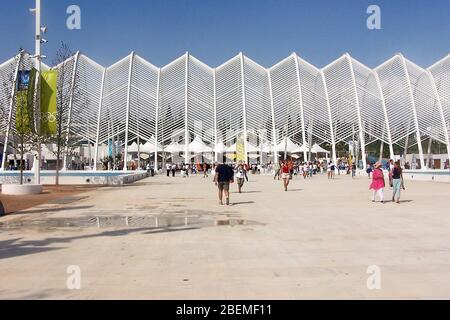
(18, 247)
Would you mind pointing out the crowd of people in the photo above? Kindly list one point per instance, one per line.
(224, 175)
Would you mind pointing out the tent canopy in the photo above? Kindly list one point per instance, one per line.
(198, 146)
(174, 147)
(318, 149)
(287, 145)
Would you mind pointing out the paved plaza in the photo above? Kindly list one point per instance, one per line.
(171, 240)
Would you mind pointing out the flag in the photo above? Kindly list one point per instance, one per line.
(49, 80)
(23, 80)
(24, 98)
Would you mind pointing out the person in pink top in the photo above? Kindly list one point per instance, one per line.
(378, 183)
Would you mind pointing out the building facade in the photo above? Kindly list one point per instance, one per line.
(398, 105)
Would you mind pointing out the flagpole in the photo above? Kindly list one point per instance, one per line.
(38, 91)
(38, 56)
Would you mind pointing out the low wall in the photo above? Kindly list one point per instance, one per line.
(71, 178)
(427, 175)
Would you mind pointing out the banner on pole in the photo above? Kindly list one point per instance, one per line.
(25, 101)
(241, 155)
(49, 81)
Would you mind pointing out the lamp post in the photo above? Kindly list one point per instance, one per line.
(38, 56)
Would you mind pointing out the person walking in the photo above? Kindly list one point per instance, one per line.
(397, 182)
(173, 169)
(285, 174)
(223, 178)
(277, 170)
(205, 170)
(240, 176)
(369, 170)
(168, 168)
(378, 183)
(353, 170)
(305, 170)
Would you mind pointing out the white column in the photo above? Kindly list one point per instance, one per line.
(330, 118)
(70, 107)
(11, 109)
(216, 158)
(99, 119)
(38, 38)
(388, 127)
(441, 111)
(302, 113)
(244, 106)
(416, 121)
(157, 119)
(358, 110)
(274, 131)
(187, 155)
(127, 123)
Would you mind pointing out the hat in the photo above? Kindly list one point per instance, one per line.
(378, 164)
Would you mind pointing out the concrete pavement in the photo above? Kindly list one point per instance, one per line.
(315, 241)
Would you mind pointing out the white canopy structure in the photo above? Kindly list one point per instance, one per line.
(220, 148)
(287, 145)
(174, 147)
(318, 149)
(198, 146)
(396, 104)
(133, 148)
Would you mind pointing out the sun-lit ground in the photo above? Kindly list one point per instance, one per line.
(171, 240)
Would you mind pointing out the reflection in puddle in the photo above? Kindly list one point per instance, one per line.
(163, 221)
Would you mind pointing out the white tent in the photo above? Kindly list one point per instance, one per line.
(220, 148)
(303, 148)
(149, 147)
(133, 147)
(267, 148)
(198, 146)
(318, 149)
(174, 147)
(288, 145)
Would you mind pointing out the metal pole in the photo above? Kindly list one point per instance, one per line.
(69, 117)
(11, 107)
(244, 105)
(216, 156)
(187, 156)
(274, 132)
(441, 111)
(38, 90)
(99, 119)
(330, 118)
(358, 109)
(156, 122)
(302, 112)
(127, 124)
(388, 127)
(416, 121)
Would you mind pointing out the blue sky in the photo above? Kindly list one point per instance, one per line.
(216, 30)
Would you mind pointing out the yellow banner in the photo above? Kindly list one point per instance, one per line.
(49, 81)
(241, 155)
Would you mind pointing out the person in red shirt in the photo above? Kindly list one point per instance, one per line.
(285, 174)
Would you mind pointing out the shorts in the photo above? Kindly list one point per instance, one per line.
(285, 176)
(240, 181)
(224, 186)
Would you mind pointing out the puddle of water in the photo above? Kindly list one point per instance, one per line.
(164, 221)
